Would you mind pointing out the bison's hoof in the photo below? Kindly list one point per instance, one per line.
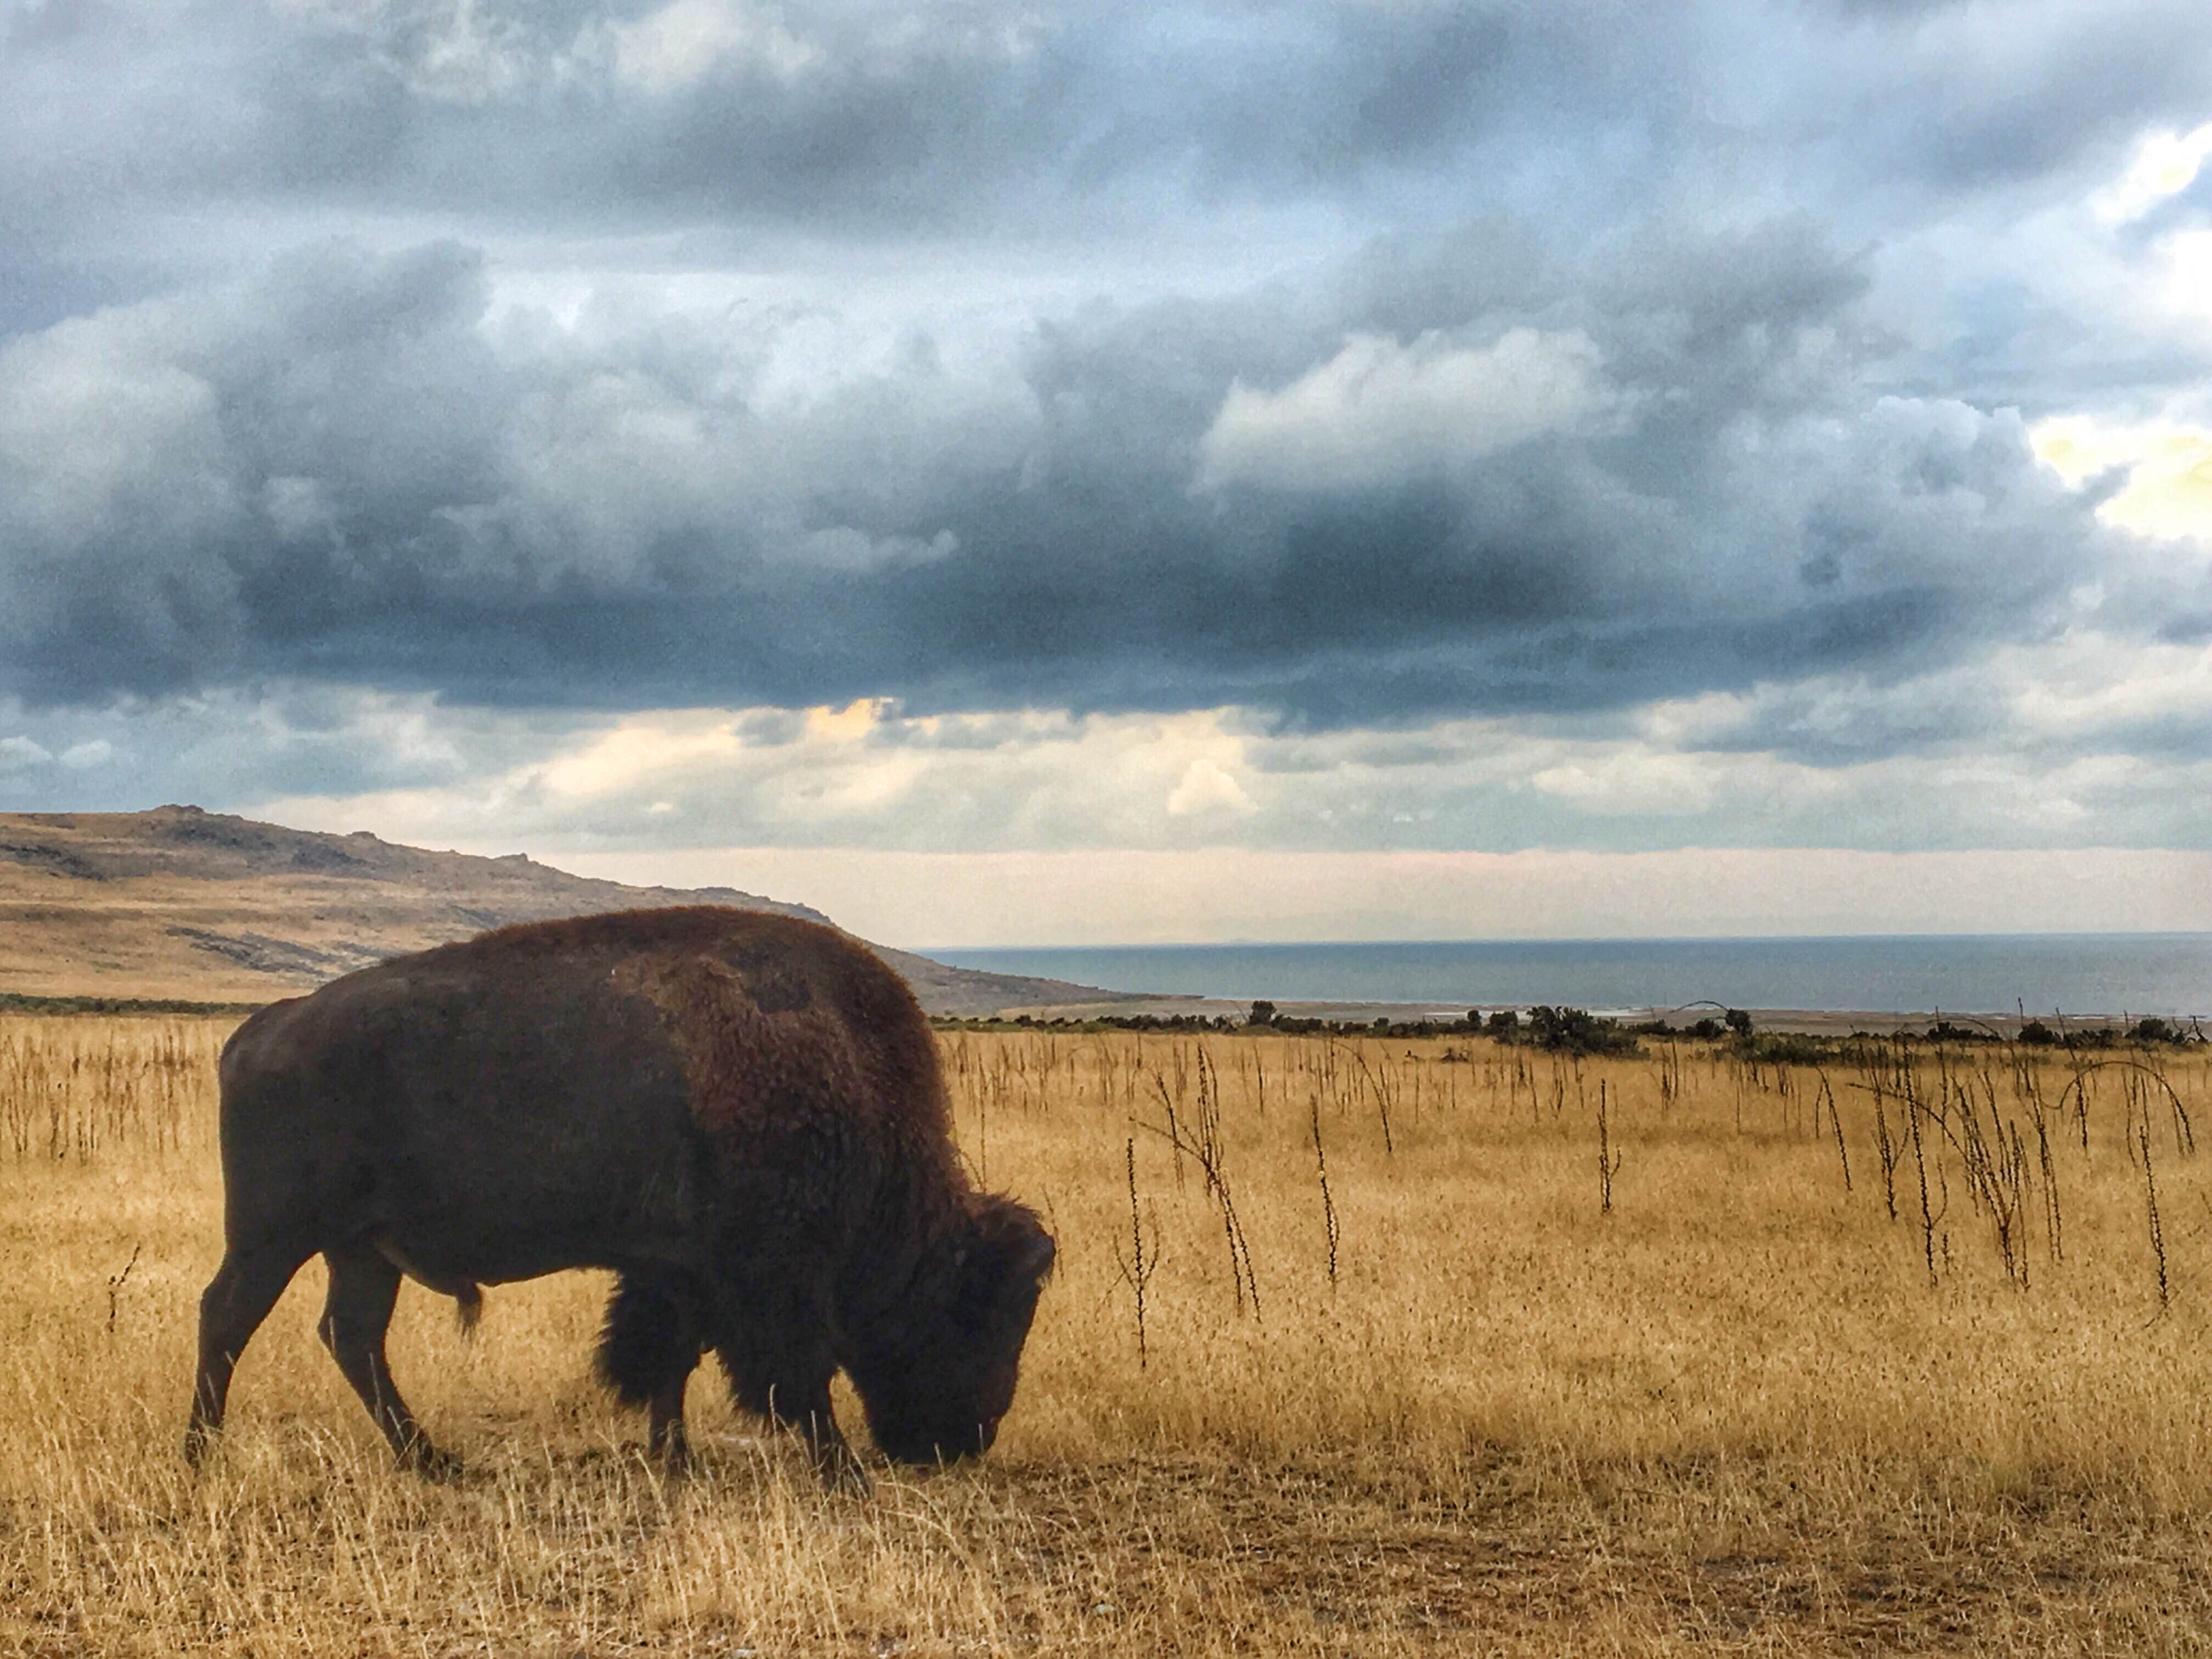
(440, 1468)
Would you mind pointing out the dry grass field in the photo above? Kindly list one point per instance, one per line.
(1534, 1355)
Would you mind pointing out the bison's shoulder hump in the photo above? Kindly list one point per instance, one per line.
(703, 928)
(775, 1029)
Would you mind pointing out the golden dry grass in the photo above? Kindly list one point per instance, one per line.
(1738, 1411)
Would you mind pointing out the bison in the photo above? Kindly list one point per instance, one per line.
(741, 1113)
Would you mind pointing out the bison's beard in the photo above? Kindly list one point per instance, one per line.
(941, 1371)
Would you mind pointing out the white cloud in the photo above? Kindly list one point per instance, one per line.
(16, 754)
(638, 751)
(856, 552)
(82, 757)
(1379, 411)
(864, 773)
(101, 426)
(1207, 788)
(298, 508)
(2082, 739)
(687, 40)
(2184, 281)
(2165, 164)
(449, 50)
(1634, 782)
(2096, 689)
(2168, 493)
(470, 60)
(2028, 710)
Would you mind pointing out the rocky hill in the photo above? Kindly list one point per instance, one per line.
(177, 902)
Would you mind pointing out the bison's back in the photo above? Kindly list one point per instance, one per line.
(576, 1093)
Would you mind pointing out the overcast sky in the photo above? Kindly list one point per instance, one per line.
(1015, 473)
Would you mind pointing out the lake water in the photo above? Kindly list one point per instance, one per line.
(2166, 973)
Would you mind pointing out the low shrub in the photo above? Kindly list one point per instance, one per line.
(1578, 1031)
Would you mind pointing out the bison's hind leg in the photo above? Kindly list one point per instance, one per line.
(647, 1351)
(364, 1285)
(237, 1299)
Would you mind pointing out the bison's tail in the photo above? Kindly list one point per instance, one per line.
(468, 1308)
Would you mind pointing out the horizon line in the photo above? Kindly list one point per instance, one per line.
(1584, 938)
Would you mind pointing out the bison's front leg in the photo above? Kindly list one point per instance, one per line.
(665, 1438)
(788, 1381)
(647, 1354)
(805, 1407)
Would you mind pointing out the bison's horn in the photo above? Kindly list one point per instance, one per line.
(1035, 1259)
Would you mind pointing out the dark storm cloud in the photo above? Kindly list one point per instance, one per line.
(873, 118)
(879, 120)
(336, 472)
(1981, 97)
(191, 484)
(1589, 401)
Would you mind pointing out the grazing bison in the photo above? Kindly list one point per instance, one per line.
(741, 1113)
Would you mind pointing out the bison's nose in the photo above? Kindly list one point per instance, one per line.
(973, 1442)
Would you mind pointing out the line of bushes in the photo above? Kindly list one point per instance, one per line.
(21, 1002)
(1576, 1030)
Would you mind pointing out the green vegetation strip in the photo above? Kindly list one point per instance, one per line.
(18, 1002)
(1577, 1032)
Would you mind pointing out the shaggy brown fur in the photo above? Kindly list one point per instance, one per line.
(740, 1113)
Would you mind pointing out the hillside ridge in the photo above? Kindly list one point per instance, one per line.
(176, 902)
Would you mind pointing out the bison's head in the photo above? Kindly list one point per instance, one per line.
(938, 1394)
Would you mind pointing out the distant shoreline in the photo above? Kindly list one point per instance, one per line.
(1803, 1022)
(1798, 1022)
(1877, 981)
